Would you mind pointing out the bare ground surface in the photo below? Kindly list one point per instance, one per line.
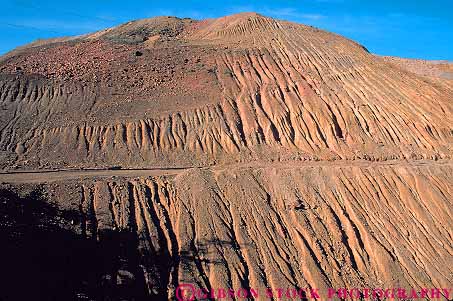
(290, 225)
(234, 152)
(44, 176)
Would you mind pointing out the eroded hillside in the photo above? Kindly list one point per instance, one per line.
(227, 89)
(235, 152)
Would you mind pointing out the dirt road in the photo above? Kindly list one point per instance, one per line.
(43, 176)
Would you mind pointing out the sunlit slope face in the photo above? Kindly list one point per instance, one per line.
(239, 152)
(225, 88)
(322, 225)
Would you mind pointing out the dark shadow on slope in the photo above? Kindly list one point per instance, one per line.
(44, 258)
(46, 255)
(206, 252)
(192, 260)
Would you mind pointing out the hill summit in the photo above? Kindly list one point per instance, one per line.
(238, 152)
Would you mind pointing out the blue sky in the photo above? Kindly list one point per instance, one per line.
(413, 29)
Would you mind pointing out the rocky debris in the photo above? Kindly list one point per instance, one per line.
(308, 161)
(198, 91)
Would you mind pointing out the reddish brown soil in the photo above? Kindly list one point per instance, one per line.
(302, 159)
